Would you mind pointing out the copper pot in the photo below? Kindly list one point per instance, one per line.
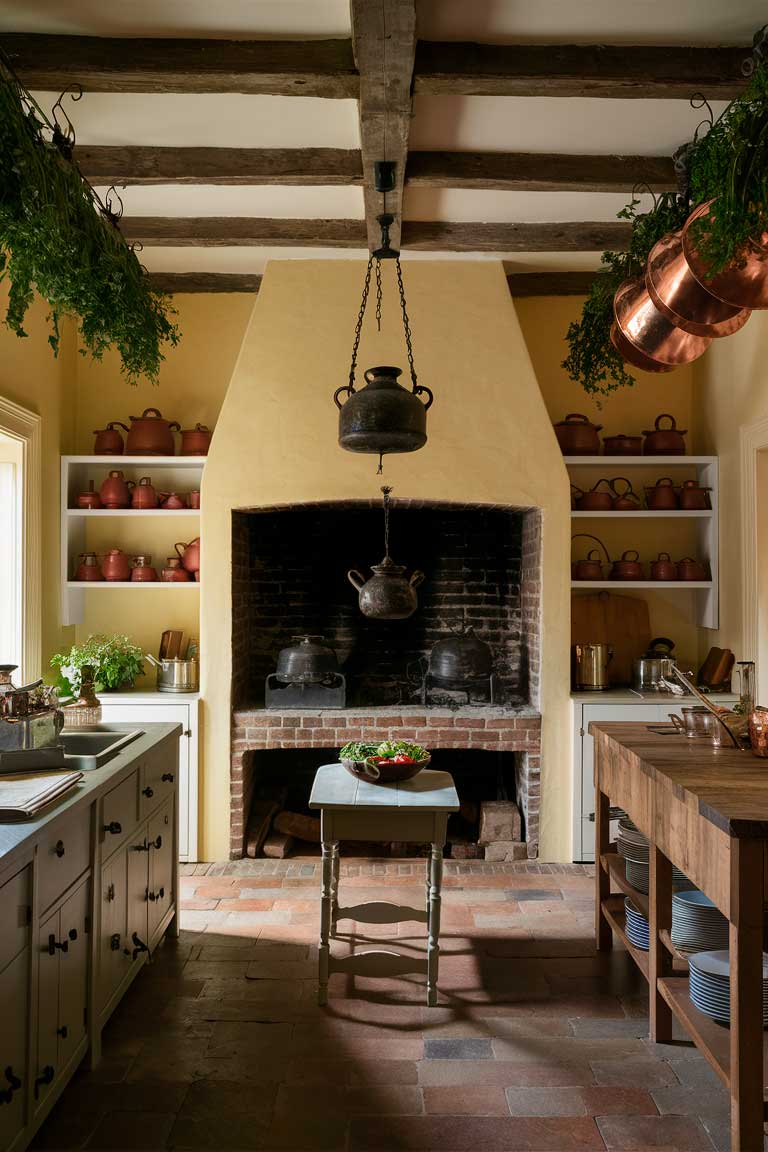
(577, 436)
(689, 569)
(189, 554)
(650, 332)
(662, 496)
(622, 445)
(664, 441)
(664, 567)
(741, 287)
(634, 356)
(591, 568)
(115, 491)
(144, 495)
(89, 499)
(151, 435)
(677, 293)
(693, 495)
(196, 441)
(628, 567)
(173, 501)
(88, 569)
(594, 500)
(626, 501)
(142, 570)
(116, 565)
(194, 499)
(173, 573)
(108, 441)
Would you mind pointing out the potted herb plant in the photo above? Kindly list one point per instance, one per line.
(116, 660)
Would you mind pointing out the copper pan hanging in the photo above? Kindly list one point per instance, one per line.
(648, 330)
(633, 355)
(678, 295)
(745, 287)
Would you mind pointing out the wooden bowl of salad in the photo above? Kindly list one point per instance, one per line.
(385, 763)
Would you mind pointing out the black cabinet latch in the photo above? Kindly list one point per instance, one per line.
(45, 1077)
(114, 827)
(53, 944)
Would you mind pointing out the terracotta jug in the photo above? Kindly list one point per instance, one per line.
(196, 441)
(693, 496)
(89, 499)
(173, 502)
(88, 568)
(628, 567)
(144, 495)
(142, 570)
(189, 554)
(664, 441)
(194, 499)
(151, 435)
(173, 573)
(109, 442)
(662, 495)
(115, 492)
(663, 568)
(115, 565)
(690, 569)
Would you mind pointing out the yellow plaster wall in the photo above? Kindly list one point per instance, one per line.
(491, 440)
(32, 377)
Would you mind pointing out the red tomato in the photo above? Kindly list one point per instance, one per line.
(401, 758)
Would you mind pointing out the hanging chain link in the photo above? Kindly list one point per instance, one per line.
(386, 491)
(359, 325)
(378, 294)
(406, 323)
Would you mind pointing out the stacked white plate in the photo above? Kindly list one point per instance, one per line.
(710, 985)
(636, 926)
(697, 924)
(633, 846)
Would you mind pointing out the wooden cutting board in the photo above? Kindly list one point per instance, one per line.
(607, 618)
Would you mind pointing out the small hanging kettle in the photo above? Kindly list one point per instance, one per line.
(388, 594)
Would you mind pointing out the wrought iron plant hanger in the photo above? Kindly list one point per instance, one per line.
(383, 417)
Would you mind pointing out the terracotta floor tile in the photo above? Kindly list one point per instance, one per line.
(233, 1039)
(132, 1130)
(458, 1048)
(244, 905)
(632, 1132)
(602, 1101)
(194, 903)
(466, 1100)
(460, 1133)
(501, 1073)
(633, 1073)
(63, 1131)
(545, 1102)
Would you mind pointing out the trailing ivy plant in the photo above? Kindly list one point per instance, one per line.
(57, 238)
(592, 360)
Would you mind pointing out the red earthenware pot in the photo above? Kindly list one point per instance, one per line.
(116, 565)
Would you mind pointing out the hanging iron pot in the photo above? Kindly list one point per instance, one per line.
(388, 594)
(682, 299)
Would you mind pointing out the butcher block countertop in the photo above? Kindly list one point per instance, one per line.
(729, 787)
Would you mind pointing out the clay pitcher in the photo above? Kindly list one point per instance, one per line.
(189, 554)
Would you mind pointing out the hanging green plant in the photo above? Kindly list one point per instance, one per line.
(592, 360)
(57, 238)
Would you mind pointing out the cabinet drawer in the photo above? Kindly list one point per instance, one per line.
(158, 776)
(15, 915)
(118, 815)
(64, 854)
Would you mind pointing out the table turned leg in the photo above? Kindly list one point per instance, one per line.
(433, 921)
(325, 921)
(334, 886)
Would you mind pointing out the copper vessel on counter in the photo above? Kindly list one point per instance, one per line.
(741, 287)
(758, 732)
(682, 299)
(650, 332)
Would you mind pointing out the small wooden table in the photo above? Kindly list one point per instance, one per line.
(415, 810)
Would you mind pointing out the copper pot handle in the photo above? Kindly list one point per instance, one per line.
(183, 549)
(587, 536)
(130, 485)
(631, 554)
(593, 552)
(664, 556)
(665, 482)
(155, 412)
(602, 480)
(665, 416)
(174, 426)
(627, 491)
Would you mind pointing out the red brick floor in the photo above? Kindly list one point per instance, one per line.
(537, 1043)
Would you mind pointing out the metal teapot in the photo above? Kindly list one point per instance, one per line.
(387, 595)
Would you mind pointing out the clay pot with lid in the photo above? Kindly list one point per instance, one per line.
(388, 594)
(116, 565)
(144, 495)
(151, 435)
(108, 441)
(172, 501)
(196, 441)
(742, 287)
(664, 441)
(693, 496)
(690, 569)
(310, 660)
(115, 491)
(89, 499)
(88, 569)
(595, 500)
(622, 445)
(189, 554)
(142, 570)
(577, 435)
(173, 573)
(590, 568)
(626, 500)
(628, 567)
(662, 496)
(663, 567)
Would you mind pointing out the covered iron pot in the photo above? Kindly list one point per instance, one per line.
(383, 416)
(461, 658)
(308, 661)
(388, 595)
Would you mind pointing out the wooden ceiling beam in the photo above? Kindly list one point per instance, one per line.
(205, 281)
(419, 235)
(322, 68)
(550, 283)
(538, 172)
(247, 166)
(384, 46)
(608, 71)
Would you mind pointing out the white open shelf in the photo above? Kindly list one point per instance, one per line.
(645, 514)
(640, 461)
(180, 474)
(685, 585)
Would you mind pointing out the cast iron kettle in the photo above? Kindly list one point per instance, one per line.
(461, 658)
(308, 661)
(388, 594)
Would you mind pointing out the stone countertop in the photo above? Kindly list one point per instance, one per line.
(15, 834)
(626, 696)
(152, 696)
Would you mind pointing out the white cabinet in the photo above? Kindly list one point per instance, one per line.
(158, 707)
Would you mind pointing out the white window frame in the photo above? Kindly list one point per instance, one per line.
(24, 426)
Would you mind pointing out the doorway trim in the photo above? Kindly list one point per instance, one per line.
(25, 427)
(754, 439)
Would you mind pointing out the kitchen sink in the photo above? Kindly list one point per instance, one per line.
(90, 748)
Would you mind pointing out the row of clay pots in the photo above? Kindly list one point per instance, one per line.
(630, 567)
(116, 565)
(578, 436)
(661, 496)
(671, 315)
(151, 435)
(117, 492)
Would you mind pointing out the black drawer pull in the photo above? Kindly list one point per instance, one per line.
(156, 843)
(141, 847)
(114, 827)
(45, 1077)
(6, 1094)
(114, 942)
(139, 945)
(159, 895)
(63, 1032)
(110, 892)
(167, 777)
(72, 934)
(59, 849)
(147, 792)
(53, 944)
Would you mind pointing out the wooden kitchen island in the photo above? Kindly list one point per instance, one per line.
(705, 810)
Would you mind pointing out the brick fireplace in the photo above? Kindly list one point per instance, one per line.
(482, 565)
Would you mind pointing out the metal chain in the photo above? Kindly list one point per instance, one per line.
(386, 492)
(406, 324)
(359, 325)
(378, 294)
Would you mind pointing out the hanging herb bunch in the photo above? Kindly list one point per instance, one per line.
(58, 238)
(592, 360)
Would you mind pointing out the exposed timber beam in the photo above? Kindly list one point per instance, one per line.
(610, 71)
(534, 172)
(423, 235)
(550, 283)
(258, 67)
(384, 46)
(288, 166)
(205, 282)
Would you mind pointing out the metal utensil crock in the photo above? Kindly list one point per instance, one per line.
(176, 675)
